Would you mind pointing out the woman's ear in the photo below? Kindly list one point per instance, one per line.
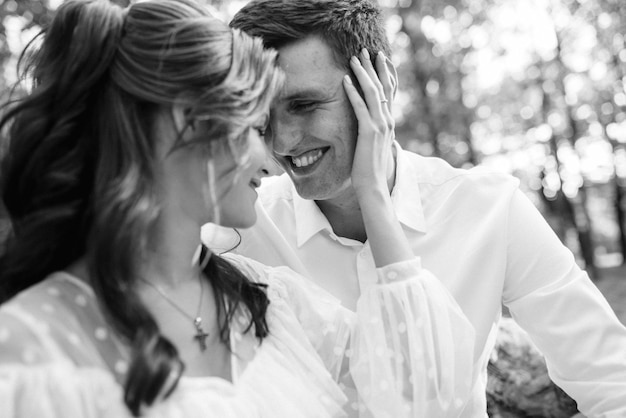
(179, 117)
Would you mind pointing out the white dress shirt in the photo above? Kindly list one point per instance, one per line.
(487, 243)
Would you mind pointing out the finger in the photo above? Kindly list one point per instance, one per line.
(358, 105)
(371, 93)
(385, 78)
(369, 68)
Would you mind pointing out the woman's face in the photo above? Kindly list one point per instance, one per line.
(236, 184)
(218, 184)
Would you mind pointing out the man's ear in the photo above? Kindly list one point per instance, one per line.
(393, 76)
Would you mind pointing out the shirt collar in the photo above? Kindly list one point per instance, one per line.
(405, 197)
(309, 218)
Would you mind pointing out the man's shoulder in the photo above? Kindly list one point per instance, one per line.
(436, 173)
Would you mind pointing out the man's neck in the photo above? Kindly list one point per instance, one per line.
(344, 217)
(344, 213)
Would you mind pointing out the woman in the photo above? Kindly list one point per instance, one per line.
(143, 124)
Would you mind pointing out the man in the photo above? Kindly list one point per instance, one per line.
(473, 229)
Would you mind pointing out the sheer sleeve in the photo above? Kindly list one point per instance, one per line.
(408, 350)
(412, 346)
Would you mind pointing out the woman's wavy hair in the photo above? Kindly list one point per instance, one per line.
(79, 175)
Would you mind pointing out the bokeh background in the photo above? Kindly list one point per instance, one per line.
(534, 88)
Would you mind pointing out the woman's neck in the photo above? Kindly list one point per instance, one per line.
(172, 255)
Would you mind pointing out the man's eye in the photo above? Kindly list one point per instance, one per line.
(302, 106)
(262, 131)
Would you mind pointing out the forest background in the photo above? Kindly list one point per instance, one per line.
(534, 88)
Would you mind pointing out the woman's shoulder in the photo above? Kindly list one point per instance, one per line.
(56, 320)
(26, 318)
(48, 367)
(56, 301)
(57, 291)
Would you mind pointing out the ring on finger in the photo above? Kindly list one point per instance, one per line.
(384, 100)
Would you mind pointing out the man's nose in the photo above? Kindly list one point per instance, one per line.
(286, 134)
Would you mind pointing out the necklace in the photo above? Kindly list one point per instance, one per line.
(201, 335)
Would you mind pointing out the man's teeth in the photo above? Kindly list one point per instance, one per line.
(307, 158)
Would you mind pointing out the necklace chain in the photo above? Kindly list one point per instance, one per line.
(200, 335)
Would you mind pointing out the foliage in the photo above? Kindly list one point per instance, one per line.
(519, 385)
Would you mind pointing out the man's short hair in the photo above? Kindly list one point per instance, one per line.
(347, 26)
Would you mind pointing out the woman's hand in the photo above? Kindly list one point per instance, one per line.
(373, 165)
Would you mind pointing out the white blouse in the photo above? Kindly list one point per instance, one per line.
(59, 358)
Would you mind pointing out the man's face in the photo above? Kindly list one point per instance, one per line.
(313, 127)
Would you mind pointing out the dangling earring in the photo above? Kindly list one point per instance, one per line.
(210, 190)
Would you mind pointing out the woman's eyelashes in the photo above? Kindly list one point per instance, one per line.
(264, 132)
(262, 125)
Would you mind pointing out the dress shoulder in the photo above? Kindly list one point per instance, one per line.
(48, 364)
(58, 320)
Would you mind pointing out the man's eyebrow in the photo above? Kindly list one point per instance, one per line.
(309, 93)
(302, 94)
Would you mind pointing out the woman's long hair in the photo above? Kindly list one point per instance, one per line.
(79, 176)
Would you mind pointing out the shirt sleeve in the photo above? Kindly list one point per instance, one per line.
(409, 348)
(412, 346)
(565, 315)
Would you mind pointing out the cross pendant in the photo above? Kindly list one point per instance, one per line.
(200, 336)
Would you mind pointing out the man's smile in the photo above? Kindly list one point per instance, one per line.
(307, 158)
(305, 163)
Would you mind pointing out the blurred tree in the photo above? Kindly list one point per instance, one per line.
(558, 112)
(527, 88)
(432, 117)
(609, 106)
(17, 17)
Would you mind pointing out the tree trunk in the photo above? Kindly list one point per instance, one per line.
(619, 203)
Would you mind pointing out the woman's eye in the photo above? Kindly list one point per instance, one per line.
(262, 131)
